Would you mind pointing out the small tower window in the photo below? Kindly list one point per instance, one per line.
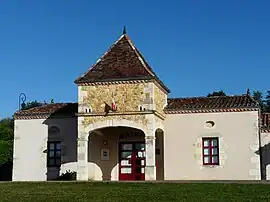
(88, 110)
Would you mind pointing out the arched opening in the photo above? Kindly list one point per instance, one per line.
(159, 154)
(116, 153)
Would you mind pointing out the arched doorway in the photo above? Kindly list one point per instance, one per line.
(159, 133)
(116, 153)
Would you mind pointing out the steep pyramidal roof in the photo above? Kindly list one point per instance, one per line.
(122, 61)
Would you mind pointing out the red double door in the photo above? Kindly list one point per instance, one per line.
(132, 161)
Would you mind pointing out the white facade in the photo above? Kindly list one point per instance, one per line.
(238, 134)
(30, 147)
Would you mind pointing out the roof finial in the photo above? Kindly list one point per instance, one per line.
(124, 30)
(248, 91)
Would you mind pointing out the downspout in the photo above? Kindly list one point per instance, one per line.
(260, 144)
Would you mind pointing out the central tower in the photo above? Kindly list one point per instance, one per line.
(121, 89)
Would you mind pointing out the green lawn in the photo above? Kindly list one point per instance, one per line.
(143, 192)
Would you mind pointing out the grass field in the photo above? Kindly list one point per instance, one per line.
(143, 192)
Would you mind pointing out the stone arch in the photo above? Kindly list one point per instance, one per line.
(159, 134)
(158, 129)
(98, 132)
(114, 123)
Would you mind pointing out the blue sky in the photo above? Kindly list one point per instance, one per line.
(194, 46)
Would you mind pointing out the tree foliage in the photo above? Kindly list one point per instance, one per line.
(264, 102)
(267, 101)
(30, 105)
(6, 140)
(217, 93)
(258, 96)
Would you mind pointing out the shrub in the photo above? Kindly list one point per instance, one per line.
(68, 175)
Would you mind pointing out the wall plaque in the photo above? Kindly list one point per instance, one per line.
(105, 154)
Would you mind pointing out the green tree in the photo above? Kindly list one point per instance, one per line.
(217, 93)
(30, 105)
(6, 140)
(267, 101)
(258, 96)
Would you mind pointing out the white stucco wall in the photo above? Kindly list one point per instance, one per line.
(30, 138)
(30, 146)
(237, 132)
(238, 139)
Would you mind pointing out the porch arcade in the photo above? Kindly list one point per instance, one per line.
(122, 150)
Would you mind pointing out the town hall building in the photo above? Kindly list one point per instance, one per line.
(124, 127)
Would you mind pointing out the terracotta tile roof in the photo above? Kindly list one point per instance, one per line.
(55, 109)
(178, 105)
(265, 122)
(194, 104)
(122, 61)
(210, 103)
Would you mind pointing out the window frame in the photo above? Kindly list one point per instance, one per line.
(55, 157)
(210, 147)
